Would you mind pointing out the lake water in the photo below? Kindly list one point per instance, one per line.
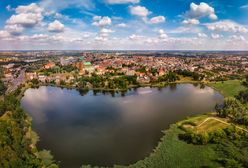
(104, 129)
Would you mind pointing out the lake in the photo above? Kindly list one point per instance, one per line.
(105, 129)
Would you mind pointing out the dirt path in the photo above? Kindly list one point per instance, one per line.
(216, 119)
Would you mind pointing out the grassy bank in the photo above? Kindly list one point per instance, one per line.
(172, 152)
(228, 88)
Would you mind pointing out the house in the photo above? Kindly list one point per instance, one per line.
(88, 67)
(100, 70)
(31, 75)
(161, 72)
(49, 65)
(42, 78)
(130, 72)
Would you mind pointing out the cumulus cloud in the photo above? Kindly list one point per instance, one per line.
(202, 35)
(216, 36)
(56, 27)
(25, 19)
(143, 12)
(122, 25)
(227, 26)
(135, 37)
(101, 21)
(40, 37)
(26, 16)
(32, 8)
(157, 19)
(162, 34)
(122, 1)
(4, 34)
(104, 30)
(191, 22)
(14, 29)
(103, 34)
(201, 10)
(140, 11)
(238, 37)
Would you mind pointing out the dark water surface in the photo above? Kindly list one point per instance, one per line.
(104, 130)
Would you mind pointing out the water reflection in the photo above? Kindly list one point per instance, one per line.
(106, 128)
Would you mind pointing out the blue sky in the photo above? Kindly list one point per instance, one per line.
(124, 24)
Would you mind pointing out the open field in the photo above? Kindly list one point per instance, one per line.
(207, 123)
(228, 88)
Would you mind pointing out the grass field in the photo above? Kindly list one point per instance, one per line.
(172, 152)
(204, 123)
(227, 88)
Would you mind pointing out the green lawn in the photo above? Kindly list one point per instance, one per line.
(173, 153)
(228, 88)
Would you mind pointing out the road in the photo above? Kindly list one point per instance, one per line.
(16, 82)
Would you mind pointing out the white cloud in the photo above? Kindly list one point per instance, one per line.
(140, 11)
(201, 10)
(216, 36)
(135, 37)
(100, 38)
(191, 22)
(213, 17)
(162, 34)
(122, 25)
(14, 29)
(101, 21)
(103, 34)
(239, 38)
(202, 35)
(122, 1)
(157, 19)
(186, 30)
(104, 30)
(56, 27)
(143, 12)
(40, 37)
(32, 8)
(25, 17)
(4, 34)
(227, 26)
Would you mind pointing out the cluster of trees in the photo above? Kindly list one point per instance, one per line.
(17, 143)
(2, 88)
(169, 77)
(233, 109)
(97, 81)
(230, 145)
(245, 83)
(231, 133)
(59, 69)
(243, 96)
(193, 75)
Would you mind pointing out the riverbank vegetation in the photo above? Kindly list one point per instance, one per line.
(17, 140)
